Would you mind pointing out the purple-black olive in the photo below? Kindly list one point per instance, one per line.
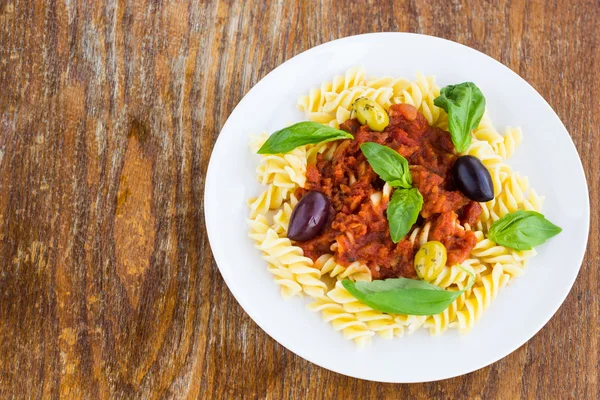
(309, 216)
(473, 179)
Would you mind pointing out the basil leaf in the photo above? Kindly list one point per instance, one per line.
(392, 284)
(402, 212)
(465, 106)
(388, 164)
(404, 296)
(299, 134)
(522, 230)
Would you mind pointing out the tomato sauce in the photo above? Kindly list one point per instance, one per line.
(358, 229)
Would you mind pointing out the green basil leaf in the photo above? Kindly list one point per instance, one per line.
(505, 222)
(403, 211)
(522, 230)
(392, 284)
(299, 134)
(404, 296)
(388, 164)
(465, 106)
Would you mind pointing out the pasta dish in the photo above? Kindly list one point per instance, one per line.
(392, 206)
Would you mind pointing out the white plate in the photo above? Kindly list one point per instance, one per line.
(547, 155)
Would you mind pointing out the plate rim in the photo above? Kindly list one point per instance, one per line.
(479, 365)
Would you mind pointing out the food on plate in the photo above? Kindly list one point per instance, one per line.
(393, 206)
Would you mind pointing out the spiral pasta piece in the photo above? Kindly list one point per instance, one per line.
(486, 132)
(326, 150)
(283, 173)
(386, 325)
(481, 296)
(533, 202)
(259, 227)
(511, 197)
(439, 323)
(453, 275)
(354, 76)
(419, 90)
(411, 323)
(382, 324)
(513, 262)
(283, 277)
(491, 253)
(281, 220)
(270, 199)
(421, 94)
(346, 98)
(342, 114)
(313, 103)
(281, 253)
(476, 267)
(342, 321)
(377, 321)
(283, 170)
(314, 100)
(398, 85)
(355, 271)
(512, 138)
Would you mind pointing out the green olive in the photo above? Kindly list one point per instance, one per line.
(370, 113)
(430, 260)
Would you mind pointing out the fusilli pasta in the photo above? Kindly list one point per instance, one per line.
(439, 323)
(421, 94)
(280, 253)
(479, 300)
(347, 323)
(312, 104)
(355, 271)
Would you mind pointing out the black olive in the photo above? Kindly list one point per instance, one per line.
(309, 216)
(473, 179)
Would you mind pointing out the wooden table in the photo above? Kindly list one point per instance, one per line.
(108, 113)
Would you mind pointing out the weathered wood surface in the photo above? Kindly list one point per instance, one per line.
(108, 113)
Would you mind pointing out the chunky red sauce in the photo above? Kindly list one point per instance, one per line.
(358, 229)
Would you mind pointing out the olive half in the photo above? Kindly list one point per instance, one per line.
(370, 113)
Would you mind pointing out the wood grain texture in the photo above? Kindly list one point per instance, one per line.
(108, 113)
